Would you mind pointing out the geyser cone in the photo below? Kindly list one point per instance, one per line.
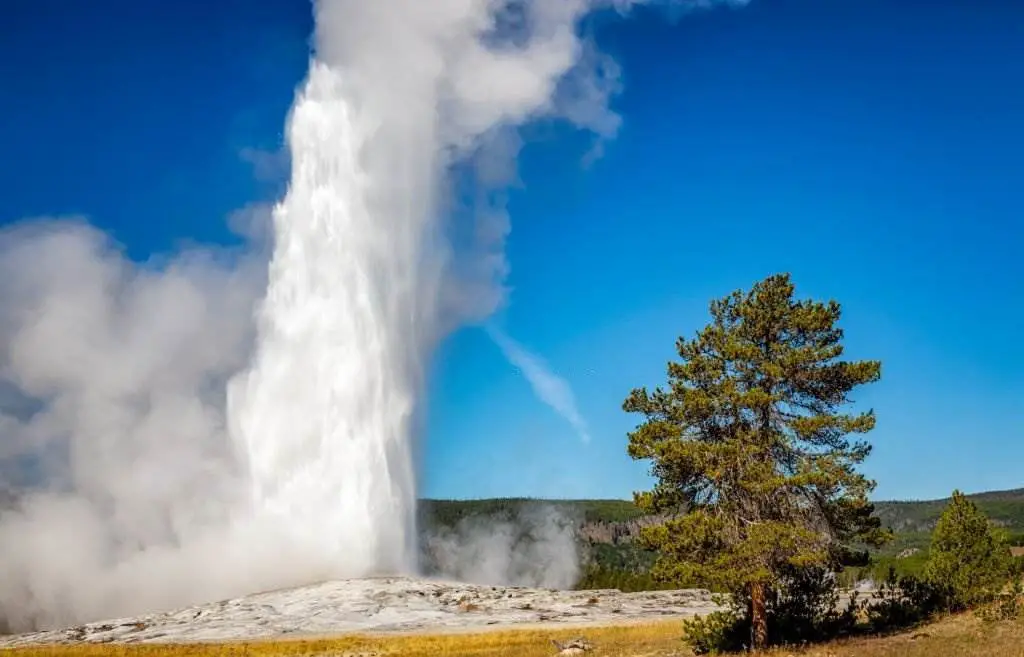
(324, 416)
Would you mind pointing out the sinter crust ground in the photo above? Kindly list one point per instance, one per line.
(381, 605)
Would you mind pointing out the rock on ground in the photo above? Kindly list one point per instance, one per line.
(380, 605)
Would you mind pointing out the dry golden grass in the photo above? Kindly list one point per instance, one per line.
(625, 641)
(963, 636)
(959, 636)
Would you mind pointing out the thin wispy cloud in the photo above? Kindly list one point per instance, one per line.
(548, 386)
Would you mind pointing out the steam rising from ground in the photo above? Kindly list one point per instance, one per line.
(207, 424)
(535, 547)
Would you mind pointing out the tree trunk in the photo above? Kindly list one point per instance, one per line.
(758, 617)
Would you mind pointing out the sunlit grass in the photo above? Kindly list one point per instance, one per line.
(622, 641)
(961, 636)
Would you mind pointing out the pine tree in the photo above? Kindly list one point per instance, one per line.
(755, 470)
(968, 556)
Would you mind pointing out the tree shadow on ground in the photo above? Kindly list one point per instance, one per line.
(810, 613)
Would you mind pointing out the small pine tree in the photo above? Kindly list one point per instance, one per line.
(969, 557)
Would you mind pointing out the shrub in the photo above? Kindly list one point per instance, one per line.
(597, 576)
(903, 601)
(1006, 606)
(805, 608)
(718, 632)
(802, 609)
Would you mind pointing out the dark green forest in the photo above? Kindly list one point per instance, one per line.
(606, 529)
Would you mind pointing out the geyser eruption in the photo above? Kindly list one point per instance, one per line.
(324, 416)
(161, 449)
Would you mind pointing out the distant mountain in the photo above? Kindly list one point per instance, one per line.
(1005, 508)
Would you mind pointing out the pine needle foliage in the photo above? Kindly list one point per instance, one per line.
(750, 444)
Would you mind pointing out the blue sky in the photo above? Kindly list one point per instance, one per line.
(871, 148)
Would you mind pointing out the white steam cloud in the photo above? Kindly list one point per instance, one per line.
(112, 422)
(536, 546)
(218, 421)
(550, 388)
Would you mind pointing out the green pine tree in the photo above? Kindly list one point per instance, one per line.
(755, 470)
(968, 557)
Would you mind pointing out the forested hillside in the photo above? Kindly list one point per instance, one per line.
(1005, 508)
(450, 512)
(606, 529)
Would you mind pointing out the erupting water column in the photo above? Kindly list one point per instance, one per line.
(324, 415)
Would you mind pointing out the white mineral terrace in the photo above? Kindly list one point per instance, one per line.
(379, 606)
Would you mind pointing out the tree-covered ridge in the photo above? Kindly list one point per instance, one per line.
(448, 513)
(1004, 508)
(911, 520)
(607, 529)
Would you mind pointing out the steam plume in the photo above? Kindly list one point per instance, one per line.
(550, 388)
(535, 545)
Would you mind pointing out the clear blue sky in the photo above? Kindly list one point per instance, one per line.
(872, 148)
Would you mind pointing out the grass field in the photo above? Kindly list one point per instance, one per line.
(961, 636)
